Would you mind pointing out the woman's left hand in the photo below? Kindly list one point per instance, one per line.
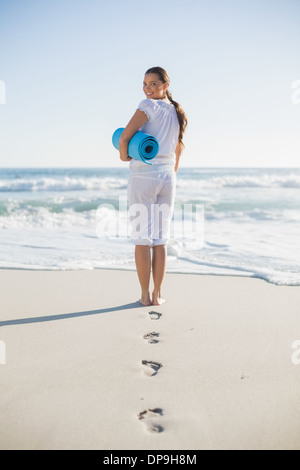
(126, 158)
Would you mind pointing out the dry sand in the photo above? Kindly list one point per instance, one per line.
(79, 373)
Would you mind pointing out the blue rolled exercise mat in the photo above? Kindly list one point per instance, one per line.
(141, 146)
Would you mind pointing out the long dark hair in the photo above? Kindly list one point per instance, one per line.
(182, 119)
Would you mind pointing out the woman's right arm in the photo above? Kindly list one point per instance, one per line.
(135, 123)
(177, 155)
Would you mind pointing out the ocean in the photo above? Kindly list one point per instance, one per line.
(240, 222)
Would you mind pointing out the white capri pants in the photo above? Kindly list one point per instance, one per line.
(151, 196)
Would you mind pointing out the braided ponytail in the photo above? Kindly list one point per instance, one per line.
(182, 119)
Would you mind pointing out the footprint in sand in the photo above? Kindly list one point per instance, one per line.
(155, 315)
(150, 416)
(151, 368)
(151, 337)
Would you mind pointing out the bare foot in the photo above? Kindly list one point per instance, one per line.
(145, 304)
(145, 300)
(157, 299)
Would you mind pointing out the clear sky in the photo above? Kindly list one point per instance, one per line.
(72, 72)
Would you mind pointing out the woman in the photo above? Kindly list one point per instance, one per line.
(151, 188)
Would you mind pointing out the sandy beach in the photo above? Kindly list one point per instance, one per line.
(87, 367)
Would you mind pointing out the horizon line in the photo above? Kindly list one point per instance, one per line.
(117, 167)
